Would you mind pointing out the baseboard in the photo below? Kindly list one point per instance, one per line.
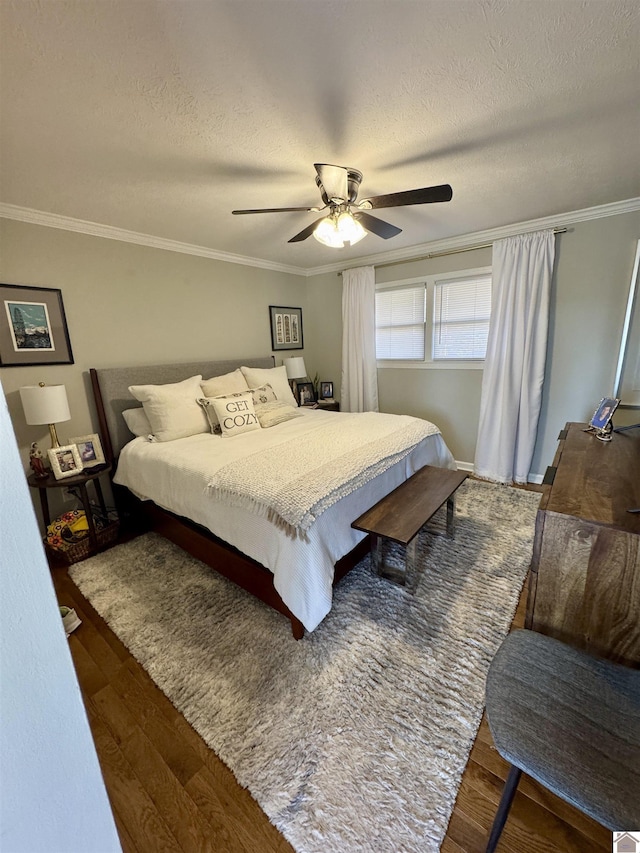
(468, 466)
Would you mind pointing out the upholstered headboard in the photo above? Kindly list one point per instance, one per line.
(111, 391)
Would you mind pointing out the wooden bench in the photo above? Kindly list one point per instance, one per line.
(401, 514)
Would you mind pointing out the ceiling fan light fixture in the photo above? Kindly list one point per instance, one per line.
(348, 220)
(350, 230)
(327, 233)
(335, 231)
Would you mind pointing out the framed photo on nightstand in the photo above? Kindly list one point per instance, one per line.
(90, 449)
(326, 390)
(65, 461)
(305, 393)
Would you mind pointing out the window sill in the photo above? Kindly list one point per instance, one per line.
(430, 365)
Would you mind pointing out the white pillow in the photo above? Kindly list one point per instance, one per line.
(173, 409)
(228, 383)
(137, 422)
(275, 376)
(270, 414)
(235, 414)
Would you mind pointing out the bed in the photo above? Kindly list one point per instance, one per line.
(286, 555)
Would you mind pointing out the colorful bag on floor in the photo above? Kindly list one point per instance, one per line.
(67, 529)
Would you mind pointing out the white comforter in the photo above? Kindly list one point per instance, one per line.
(176, 476)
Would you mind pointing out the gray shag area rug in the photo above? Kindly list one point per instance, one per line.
(356, 737)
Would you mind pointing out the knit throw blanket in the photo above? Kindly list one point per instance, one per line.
(295, 482)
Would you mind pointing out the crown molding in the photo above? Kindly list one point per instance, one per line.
(463, 241)
(109, 232)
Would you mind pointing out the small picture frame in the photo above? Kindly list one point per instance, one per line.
(603, 414)
(90, 450)
(65, 461)
(326, 390)
(304, 391)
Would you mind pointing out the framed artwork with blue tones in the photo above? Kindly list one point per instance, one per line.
(33, 326)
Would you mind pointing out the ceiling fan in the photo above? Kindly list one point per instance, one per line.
(347, 221)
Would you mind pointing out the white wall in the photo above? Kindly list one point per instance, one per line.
(52, 793)
(593, 269)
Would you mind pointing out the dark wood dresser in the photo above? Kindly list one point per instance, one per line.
(585, 574)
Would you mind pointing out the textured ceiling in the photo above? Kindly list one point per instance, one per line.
(162, 117)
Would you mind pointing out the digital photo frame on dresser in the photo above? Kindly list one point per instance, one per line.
(600, 424)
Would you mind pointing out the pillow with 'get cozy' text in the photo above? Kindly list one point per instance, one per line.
(235, 413)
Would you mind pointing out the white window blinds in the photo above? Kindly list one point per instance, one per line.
(400, 323)
(461, 311)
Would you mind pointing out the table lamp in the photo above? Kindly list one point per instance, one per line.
(295, 369)
(45, 404)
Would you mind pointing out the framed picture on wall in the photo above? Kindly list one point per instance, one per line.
(33, 326)
(286, 327)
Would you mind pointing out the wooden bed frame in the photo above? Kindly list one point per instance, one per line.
(110, 391)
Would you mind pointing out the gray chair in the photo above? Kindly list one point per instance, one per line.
(570, 721)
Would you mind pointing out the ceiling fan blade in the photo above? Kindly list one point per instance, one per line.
(306, 232)
(334, 180)
(377, 226)
(426, 195)
(278, 210)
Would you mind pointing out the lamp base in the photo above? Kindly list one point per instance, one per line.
(54, 436)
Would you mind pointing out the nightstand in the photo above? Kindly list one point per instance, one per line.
(329, 406)
(80, 482)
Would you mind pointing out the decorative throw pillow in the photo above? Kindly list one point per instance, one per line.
(270, 414)
(258, 396)
(228, 383)
(137, 422)
(263, 394)
(210, 412)
(275, 376)
(172, 409)
(236, 414)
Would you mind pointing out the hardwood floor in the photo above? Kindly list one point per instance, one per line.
(169, 792)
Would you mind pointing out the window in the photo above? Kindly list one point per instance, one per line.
(400, 322)
(461, 311)
(436, 321)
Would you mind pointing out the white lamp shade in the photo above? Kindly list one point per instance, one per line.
(295, 368)
(45, 404)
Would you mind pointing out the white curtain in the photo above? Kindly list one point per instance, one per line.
(359, 373)
(516, 352)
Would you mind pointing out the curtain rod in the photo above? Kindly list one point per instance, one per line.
(447, 252)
